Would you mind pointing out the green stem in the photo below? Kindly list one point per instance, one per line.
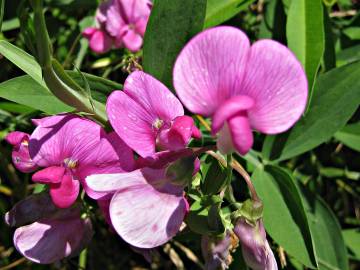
(83, 259)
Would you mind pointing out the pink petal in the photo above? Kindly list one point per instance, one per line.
(65, 193)
(62, 137)
(32, 208)
(89, 32)
(179, 134)
(132, 40)
(153, 96)
(50, 240)
(132, 123)
(210, 68)
(115, 19)
(276, 81)
(49, 175)
(21, 158)
(101, 12)
(241, 133)
(147, 215)
(100, 42)
(228, 109)
(16, 137)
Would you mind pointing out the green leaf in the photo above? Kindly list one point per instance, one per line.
(273, 24)
(214, 176)
(218, 12)
(348, 55)
(284, 215)
(11, 24)
(26, 91)
(352, 241)
(329, 58)
(22, 59)
(204, 216)
(336, 98)
(350, 136)
(326, 232)
(172, 23)
(305, 36)
(352, 33)
(2, 8)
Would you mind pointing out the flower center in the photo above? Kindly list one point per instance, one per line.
(158, 123)
(71, 163)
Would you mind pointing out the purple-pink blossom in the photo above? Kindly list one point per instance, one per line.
(45, 233)
(242, 87)
(20, 153)
(120, 23)
(69, 148)
(148, 117)
(146, 210)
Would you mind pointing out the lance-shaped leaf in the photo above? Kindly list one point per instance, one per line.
(305, 35)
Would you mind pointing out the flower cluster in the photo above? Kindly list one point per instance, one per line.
(219, 75)
(119, 23)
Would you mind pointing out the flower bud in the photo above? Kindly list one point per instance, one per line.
(255, 248)
(216, 252)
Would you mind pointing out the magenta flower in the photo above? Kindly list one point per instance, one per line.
(51, 234)
(20, 154)
(121, 23)
(71, 148)
(242, 87)
(255, 248)
(146, 210)
(147, 116)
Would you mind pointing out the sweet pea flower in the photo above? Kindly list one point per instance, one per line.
(71, 148)
(47, 234)
(255, 248)
(147, 116)
(146, 210)
(20, 153)
(242, 87)
(119, 23)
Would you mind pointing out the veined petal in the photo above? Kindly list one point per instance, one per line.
(100, 42)
(15, 138)
(48, 175)
(146, 217)
(65, 193)
(153, 96)
(241, 133)
(276, 81)
(50, 240)
(59, 137)
(132, 123)
(210, 68)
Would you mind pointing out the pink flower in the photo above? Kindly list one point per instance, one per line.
(242, 87)
(120, 23)
(145, 210)
(51, 233)
(147, 116)
(71, 148)
(255, 248)
(20, 154)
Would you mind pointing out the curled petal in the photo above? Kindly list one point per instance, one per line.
(100, 42)
(277, 82)
(210, 68)
(49, 240)
(241, 134)
(230, 108)
(65, 193)
(49, 175)
(132, 40)
(15, 138)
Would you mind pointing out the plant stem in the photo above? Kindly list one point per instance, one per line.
(237, 167)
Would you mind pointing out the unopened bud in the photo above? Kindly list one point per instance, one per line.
(255, 248)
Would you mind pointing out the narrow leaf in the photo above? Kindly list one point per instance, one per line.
(350, 136)
(218, 12)
(305, 35)
(284, 214)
